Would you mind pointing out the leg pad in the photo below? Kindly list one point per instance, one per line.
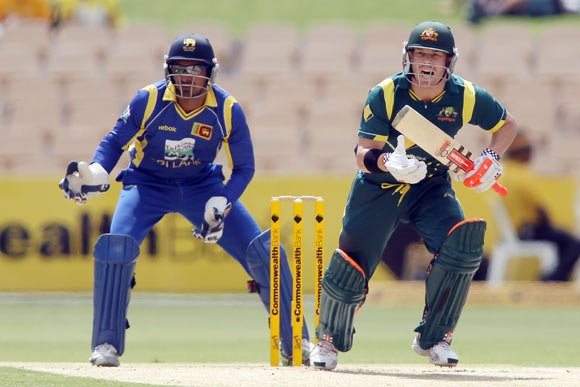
(343, 293)
(115, 259)
(449, 280)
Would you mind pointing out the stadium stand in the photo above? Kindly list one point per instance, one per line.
(299, 89)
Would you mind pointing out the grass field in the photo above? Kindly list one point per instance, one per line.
(232, 329)
(239, 15)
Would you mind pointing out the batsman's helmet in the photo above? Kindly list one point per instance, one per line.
(431, 35)
(191, 47)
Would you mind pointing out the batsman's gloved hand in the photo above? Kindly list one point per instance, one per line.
(212, 228)
(83, 181)
(485, 172)
(404, 169)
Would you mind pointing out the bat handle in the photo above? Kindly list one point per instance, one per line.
(500, 189)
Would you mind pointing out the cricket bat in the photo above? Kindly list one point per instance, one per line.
(440, 145)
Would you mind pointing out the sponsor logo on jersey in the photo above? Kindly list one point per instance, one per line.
(179, 150)
(189, 44)
(429, 34)
(202, 130)
(447, 114)
(126, 113)
(167, 128)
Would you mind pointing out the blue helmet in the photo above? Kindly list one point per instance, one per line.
(194, 48)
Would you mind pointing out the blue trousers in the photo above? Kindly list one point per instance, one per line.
(140, 207)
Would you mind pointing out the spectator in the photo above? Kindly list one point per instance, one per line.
(528, 211)
(479, 9)
(25, 9)
(87, 12)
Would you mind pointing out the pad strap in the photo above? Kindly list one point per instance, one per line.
(344, 288)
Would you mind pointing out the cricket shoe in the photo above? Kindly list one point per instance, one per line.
(105, 355)
(324, 356)
(307, 348)
(417, 348)
(442, 355)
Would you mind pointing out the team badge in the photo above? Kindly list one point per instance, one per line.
(429, 34)
(202, 130)
(189, 44)
(447, 114)
(179, 150)
(125, 115)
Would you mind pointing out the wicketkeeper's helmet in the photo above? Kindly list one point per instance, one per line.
(191, 47)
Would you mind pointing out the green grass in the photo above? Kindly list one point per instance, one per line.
(14, 377)
(239, 15)
(232, 328)
(229, 328)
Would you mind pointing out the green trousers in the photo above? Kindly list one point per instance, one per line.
(373, 211)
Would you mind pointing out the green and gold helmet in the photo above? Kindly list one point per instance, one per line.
(430, 35)
(434, 36)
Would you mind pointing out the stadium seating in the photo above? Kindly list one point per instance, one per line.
(302, 88)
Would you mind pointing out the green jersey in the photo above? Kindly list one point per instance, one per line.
(461, 102)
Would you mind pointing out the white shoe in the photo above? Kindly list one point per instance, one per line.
(105, 355)
(307, 347)
(324, 356)
(417, 348)
(442, 355)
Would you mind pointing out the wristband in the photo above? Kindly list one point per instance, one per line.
(370, 160)
(490, 152)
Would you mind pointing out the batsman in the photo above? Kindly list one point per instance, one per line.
(399, 182)
(173, 130)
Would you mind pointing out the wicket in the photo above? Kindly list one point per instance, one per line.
(297, 249)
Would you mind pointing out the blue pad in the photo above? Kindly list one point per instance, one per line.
(258, 257)
(115, 259)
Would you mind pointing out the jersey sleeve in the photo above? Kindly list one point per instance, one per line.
(488, 113)
(240, 152)
(375, 124)
(126, 129)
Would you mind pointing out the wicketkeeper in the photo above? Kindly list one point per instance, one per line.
(173, 130)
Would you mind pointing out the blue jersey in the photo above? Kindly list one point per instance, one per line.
(170, 146)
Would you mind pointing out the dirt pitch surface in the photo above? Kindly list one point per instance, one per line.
(344, 375)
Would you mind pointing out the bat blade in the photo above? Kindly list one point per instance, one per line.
(436, 142)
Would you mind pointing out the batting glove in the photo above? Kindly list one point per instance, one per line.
(404, 169)
(83, 181)
(212, 228)
(486, 171)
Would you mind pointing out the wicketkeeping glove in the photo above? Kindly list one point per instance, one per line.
(404, 169)
(486, 171)
(212, 228)
(83, 181)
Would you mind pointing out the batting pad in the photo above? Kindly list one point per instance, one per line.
(258, 256)
(449, 280)
(343, 292)
(115, 258)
